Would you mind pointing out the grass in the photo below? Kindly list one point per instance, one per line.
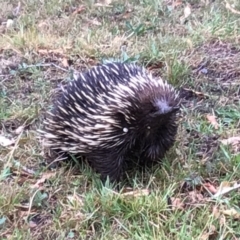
(199, 55)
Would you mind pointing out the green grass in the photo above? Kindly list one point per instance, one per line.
(199, 55)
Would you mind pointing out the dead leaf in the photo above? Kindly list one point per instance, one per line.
(176, 3)
(232, 213)
(94, 22)
(65, 62)
(212, 120)
(215, 212)
(79, 10)
(75, 200)
(43, 51)
(232, 140)
(53, 51)
(19, 130)
(222, 220)
(67, 47)
(5, 142)
(137, 193)
(210, 187)
(9, 23)
(103, 3)
(42, 24)
(208, 233)
(205, 2)
(22, 179)
(44, 177)
(56, 51)
(190, 44)
(229, 7)
(126, 15)
(177, 203)
(187, 11)
(32, 224)
(226, 187)
(195, 197)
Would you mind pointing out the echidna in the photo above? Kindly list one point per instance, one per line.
(111, 111)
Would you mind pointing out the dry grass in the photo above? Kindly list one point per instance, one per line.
(42, 41)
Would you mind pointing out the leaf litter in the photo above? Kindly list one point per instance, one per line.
(212, 119)
(203, 195)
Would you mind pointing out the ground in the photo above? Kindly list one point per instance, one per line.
(195, 46)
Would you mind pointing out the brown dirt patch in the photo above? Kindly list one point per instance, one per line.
(216, 61)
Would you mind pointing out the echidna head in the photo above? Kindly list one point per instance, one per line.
(162, 107)
(156, 111)
(162, 112)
